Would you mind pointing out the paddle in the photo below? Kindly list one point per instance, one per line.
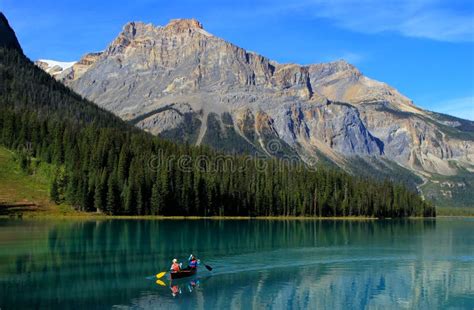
(161, 274)
(207, 267)
(159, 282)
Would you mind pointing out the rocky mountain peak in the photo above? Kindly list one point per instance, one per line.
(342, 64)
(183, 25)
(335, 67)
(130, 32)
(134, 29)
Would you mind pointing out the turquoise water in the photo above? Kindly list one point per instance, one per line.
(69, 264)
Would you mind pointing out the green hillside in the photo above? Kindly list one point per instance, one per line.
(19, 186)
(26, 191)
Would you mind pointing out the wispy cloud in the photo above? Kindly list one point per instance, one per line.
(451, 21)
(460, 107)
(439, 25)
(413, 18)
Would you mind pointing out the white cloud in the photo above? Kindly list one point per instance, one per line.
(437, 25)
(431, 19)
(460, 107)
(413, 18)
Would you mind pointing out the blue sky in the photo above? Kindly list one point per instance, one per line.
(424, 48)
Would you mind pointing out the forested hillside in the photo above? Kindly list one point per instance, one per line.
(104, 164)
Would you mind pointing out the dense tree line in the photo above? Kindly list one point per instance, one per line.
(106, 165)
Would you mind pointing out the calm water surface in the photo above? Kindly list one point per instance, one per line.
(257, 264)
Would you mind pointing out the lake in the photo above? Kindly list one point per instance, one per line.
(281, 264)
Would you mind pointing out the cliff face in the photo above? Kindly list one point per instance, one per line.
(181, 82)
(418, 139)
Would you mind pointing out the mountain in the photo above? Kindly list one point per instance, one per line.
(103, 164)
(7, 35)
(183, 83)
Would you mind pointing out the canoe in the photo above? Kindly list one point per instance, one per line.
(182, 274)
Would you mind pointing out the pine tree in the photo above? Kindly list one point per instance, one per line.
(123, 164)
(98, 200)
(112, 197)
(128, 199)
(155, 200)
(139, 202)
(100, 193)
(54, 192)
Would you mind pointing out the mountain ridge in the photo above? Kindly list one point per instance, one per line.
(328, 110)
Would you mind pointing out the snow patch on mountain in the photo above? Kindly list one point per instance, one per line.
(63, 64)
(54, 67)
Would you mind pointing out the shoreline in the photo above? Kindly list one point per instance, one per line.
(215, 218)
(189, 218)
(97, 216)
(26, 211)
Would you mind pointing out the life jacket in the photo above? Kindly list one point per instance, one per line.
(175, 290)
(193, 263)
(175, 267)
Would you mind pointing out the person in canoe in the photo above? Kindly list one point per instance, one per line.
(175, 267)
(193, 262)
